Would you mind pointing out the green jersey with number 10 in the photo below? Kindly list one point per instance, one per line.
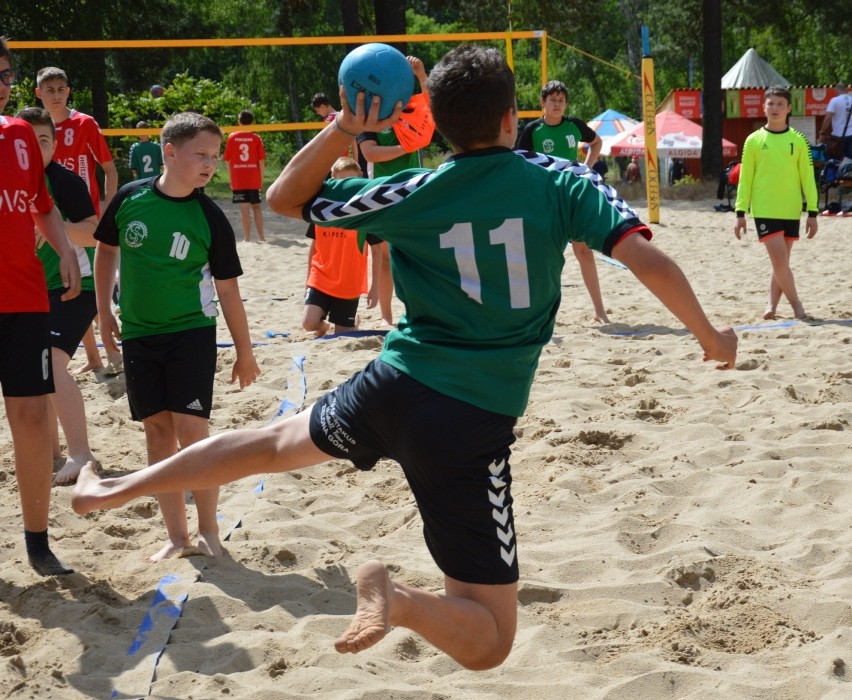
(477, 250)
(171, 250)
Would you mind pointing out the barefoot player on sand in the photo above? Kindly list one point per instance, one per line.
(478, 251)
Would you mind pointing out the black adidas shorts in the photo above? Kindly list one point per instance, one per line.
(454, 455)
(171, 372)
(69, 320)
(25, 367)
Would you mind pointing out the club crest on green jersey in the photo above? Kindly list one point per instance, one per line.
(135, 233)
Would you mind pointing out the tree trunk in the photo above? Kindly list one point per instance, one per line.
(390, 19)
(97, 83)
(711, 150)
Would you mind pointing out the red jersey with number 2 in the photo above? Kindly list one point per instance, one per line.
(23, 190)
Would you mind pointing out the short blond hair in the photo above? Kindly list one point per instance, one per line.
(345, 164)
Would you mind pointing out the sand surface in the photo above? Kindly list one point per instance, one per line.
(683, 532)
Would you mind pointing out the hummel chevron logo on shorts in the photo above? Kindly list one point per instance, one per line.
(195, 405)
(500, 512)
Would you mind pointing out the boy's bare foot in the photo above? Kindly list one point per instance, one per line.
(88, 367)
(370, 624)
(322, 329)
(209, 544)
(601, 318)
(769, 314)
(93, 493)
(170, 549)
(67, 475)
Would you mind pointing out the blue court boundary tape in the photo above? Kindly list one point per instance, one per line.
(161, 617)
(756, 327)
(287, 405)
(353, 334)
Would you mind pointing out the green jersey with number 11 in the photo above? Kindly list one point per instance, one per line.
(477, 250)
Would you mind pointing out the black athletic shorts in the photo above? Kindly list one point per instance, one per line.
(25, 367)
(769, 228)
(171, 372)
(69, 320)
(341, 312)
(454, 455)
(246, 197)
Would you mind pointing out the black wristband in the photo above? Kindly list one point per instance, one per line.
(741, 215)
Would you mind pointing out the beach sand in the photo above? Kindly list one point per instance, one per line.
(682, 532)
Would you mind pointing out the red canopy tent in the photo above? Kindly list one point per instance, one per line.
(677, 137)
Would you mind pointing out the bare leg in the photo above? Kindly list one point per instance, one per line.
(257, 210)
(778, 248)
(589, 272)
(313, 320)
(27, 417)
(386, 287)
(191, 429)
(93, 356)
(53, 426)
(69, 407)
(161, 441)
(283, 446)
(245, 216)
(473, 623)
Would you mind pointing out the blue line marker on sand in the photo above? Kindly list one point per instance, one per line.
(151, 638)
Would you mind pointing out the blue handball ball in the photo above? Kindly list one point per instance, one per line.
(377, 69)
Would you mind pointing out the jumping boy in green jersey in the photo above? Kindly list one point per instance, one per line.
(177, 251)
(777, 169)
(555, 134)
(478, 255)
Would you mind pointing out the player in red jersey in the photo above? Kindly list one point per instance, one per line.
(246, 159)
(80, 147)
(25, 375)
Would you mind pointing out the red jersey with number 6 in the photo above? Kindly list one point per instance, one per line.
(80, 146)
(23, 189)
(243, 153)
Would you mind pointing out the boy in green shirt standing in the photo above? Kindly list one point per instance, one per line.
(177, 251)
(558, 135)
(777, 169)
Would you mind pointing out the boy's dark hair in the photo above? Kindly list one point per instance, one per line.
(50, 73)
(554, 87)
(778, 91)
(4, 48)
(471, 75)
(184, 126)
(319, 100)
(142, 125)
(246, 117)
(37, 117)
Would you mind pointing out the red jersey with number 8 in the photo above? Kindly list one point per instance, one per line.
(80, 146)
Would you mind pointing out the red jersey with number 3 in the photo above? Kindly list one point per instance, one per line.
(23, 189)
(80, 146)
(243, 153)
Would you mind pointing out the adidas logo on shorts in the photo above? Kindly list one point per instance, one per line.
(195, 405)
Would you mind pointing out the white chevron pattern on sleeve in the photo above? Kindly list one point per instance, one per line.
(582, 171)
(324, 210)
